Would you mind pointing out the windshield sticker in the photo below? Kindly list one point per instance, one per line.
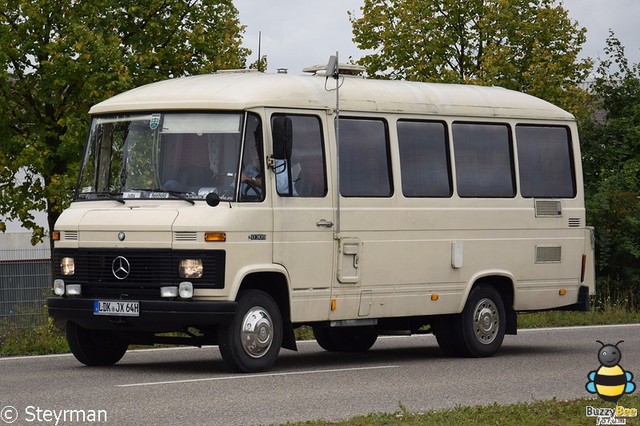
(155, 121)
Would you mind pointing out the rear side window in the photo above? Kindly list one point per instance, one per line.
(545, 160)
(484, 160)
(424, 159)
(365, 169)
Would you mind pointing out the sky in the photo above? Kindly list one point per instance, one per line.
(299, 33)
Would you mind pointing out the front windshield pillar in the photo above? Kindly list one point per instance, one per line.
(102, 178)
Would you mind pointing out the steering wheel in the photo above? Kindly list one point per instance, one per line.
(251, 186)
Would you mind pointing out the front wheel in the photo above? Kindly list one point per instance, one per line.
(252, 341)
(95, 347)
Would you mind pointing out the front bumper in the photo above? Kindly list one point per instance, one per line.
(155, 315)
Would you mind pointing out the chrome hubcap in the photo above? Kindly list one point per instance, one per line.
(486, 321)
(257, 332)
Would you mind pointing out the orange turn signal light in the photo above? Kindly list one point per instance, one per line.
(215, 236)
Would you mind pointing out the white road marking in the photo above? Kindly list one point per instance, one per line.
(251, 376)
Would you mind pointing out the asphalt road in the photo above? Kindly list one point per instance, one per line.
(192, 386)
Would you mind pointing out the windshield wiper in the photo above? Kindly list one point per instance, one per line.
(179, 195)
(109, 195)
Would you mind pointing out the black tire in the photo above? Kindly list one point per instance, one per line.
(483, 322)
(324, 339)
(252, 341)
(445, 331)
(479, 330)
(345, 339)
(95, 348)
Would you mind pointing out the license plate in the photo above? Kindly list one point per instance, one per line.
(116, 307)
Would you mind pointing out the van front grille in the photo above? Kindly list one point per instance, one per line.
(137, 272)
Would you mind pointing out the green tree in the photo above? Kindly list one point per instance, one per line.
(611, 153)
(526, 45)
(260, 64)
(57, 58)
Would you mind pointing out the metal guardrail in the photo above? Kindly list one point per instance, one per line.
(25, 283)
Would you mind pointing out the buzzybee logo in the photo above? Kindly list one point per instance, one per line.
(610, 381)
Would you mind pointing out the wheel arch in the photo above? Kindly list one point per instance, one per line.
(504, 283)
(275, 284)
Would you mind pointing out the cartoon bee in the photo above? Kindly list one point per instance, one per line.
(610, 381)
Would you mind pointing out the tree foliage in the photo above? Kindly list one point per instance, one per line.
(529, 46)
(57, 58)
(611, 153)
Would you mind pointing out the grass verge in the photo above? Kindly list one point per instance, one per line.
(41, 340)
(610, 315)
(540, 413)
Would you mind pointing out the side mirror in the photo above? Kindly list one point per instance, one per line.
(212, 199)
(282, 132)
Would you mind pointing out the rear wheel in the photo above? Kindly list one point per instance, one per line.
(252, 341)
(95, 347)
(345, 339)
(479, 330)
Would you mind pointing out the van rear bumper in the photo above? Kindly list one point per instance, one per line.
(154, 315)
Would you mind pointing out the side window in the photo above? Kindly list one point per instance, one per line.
(545, 158)
(304, 175)
(252, 175)
(424, 159)
(484, 160)
(365, 169)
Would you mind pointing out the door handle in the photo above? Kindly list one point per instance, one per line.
(324, 223)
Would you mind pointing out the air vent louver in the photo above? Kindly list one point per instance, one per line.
(70, 235)
(185, 236)
(548, 254)
(548, 208)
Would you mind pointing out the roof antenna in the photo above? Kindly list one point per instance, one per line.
(259, 54)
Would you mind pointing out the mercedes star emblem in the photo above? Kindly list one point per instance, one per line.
(120, 267)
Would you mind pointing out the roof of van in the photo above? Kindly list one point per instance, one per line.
(247, 89)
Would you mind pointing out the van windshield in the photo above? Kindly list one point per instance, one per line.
(162, 155)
